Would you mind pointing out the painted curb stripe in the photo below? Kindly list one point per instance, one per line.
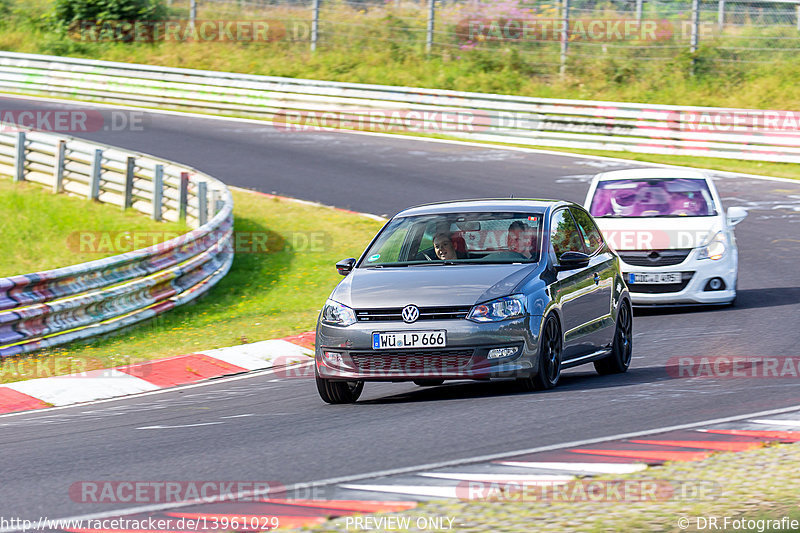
(262, 354)
(180, 370)
(705, 444)
(649, 455)
(788, 436)
(594, 468)
(354, 506)
(412, 490)
(791, 423)
(306, 340)
(149, 376)
(12, 400)
(501, 478)
(78, 388)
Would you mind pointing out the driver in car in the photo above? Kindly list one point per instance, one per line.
(443, 247)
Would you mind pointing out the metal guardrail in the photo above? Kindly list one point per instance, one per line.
(641, 128)
(48, 308)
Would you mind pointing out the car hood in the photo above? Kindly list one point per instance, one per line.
(424, 286)
(662, 233)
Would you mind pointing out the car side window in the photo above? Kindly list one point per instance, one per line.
(564, 234)
(592, 238)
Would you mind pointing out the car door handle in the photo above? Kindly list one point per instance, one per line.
(596, 278)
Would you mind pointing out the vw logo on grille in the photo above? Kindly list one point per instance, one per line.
(410, 313)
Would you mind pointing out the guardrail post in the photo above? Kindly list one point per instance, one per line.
(19, 159)
(58, 170)
(314, 24)
(158, 192)
(202, 203)
(429, 36)
(564, 37)
(192, 12)
(695, 30)
(183, 196)
(130, 166)
(721, 15)
(214, 202)
(94, 184)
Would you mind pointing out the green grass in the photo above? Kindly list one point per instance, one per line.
(375, 54)
(44, 229)
(275, 291)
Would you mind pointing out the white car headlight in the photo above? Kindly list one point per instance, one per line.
(715, 248)
(336, 314)
(499, 309)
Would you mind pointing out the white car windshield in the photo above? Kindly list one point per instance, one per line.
(457, 238)
(652, 197)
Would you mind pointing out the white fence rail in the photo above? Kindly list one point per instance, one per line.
(297, 105)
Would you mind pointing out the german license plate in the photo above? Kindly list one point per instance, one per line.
(384, 340)
(656, 277)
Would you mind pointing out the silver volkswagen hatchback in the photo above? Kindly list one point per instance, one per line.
(475, 289)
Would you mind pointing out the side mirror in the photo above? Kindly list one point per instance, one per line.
(736, 215)
(345, 266)
(572, 261)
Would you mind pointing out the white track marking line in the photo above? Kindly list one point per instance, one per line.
(182, 425)
(396, 136)
(430, 466)
(531, 478)
(594, 468)
(411, 490)
(791, 423)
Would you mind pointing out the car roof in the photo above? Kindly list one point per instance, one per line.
(644, 173)
(483, 205)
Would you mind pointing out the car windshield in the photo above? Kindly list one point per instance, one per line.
(652, 197)
(455, 238)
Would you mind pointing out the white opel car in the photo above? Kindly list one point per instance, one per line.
(675, 242)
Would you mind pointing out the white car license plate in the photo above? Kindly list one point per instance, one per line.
(383, 340)
(656, 277)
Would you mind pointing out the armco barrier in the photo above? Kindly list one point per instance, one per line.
(642, 128)
(62, 305)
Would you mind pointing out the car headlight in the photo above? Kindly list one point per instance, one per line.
(336, 314)
(715, 248)
(499, 309)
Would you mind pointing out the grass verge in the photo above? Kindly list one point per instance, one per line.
(48, 231)
(282, 272)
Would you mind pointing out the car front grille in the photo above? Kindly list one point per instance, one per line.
(658, 288)
(654, 258)
(412, 361)
(390, 314)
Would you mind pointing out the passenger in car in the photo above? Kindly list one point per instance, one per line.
(520, 238)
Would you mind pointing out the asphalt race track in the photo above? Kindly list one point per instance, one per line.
(265, 429)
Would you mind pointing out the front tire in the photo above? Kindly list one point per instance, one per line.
(338, 392)
(550, 351)
(619, 359)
